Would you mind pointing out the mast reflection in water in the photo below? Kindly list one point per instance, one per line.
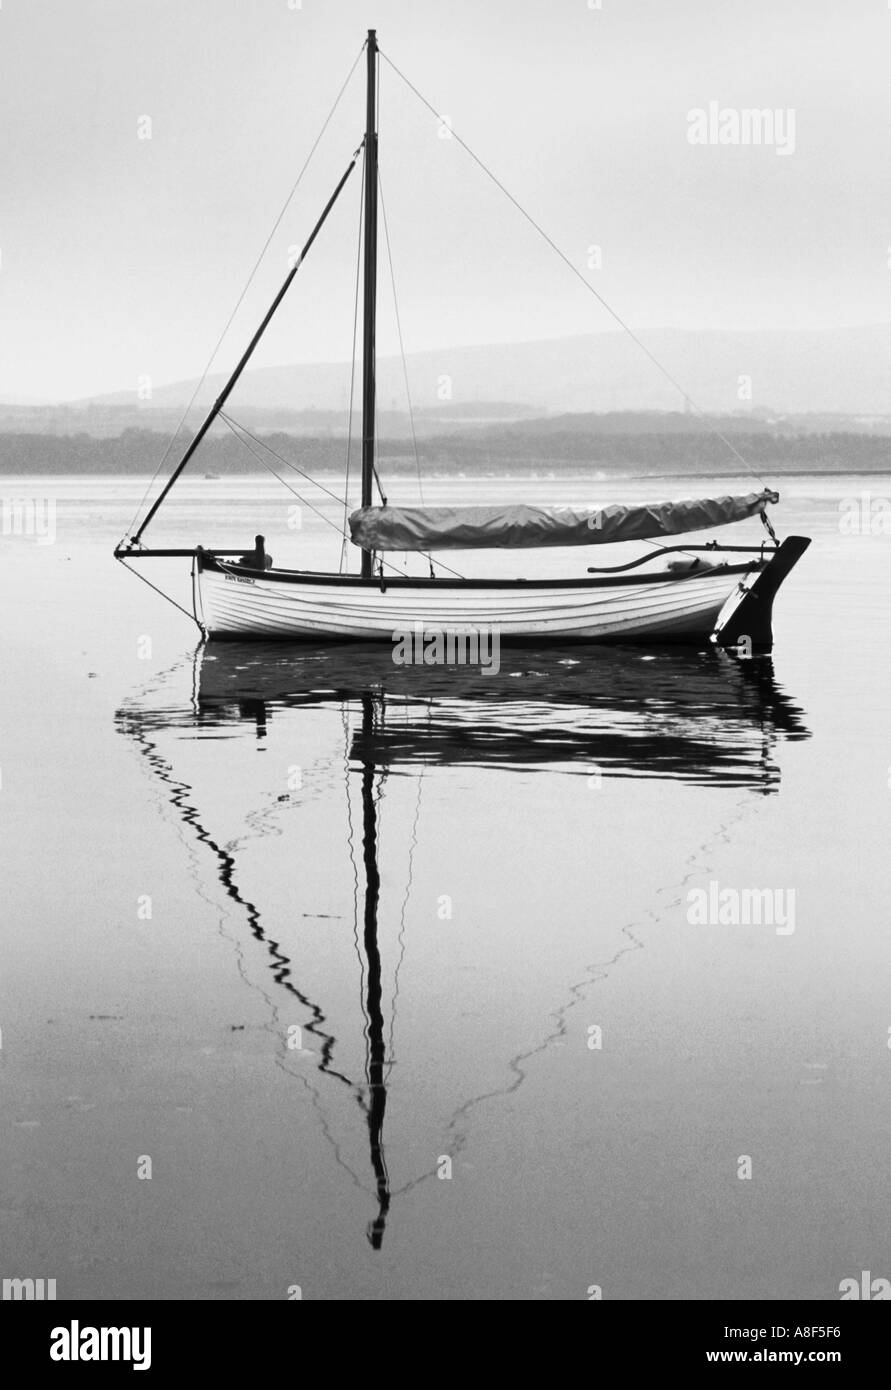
(700, 718)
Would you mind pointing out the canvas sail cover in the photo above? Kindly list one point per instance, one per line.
(521, 526)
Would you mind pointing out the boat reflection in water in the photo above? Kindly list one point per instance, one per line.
(703, 718)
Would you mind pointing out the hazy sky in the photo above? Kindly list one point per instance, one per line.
(123, 256)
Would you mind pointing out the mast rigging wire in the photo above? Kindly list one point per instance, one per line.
(411, 416)
(190, 616)
(247, 285)
(235, 426)
(575, 271)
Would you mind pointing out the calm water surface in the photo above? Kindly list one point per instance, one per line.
(310, 931)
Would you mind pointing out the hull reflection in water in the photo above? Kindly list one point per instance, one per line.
(701, 718)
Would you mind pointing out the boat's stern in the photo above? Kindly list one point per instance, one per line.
(747, 617)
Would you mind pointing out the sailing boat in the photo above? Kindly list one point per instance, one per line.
(704, 597)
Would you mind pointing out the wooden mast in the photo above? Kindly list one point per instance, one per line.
(370, 286)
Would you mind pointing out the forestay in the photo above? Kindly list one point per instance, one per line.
(522, 526)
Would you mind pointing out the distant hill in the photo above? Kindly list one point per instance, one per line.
(110, 420)
(839, 370)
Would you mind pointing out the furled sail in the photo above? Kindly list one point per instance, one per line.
(524, 527)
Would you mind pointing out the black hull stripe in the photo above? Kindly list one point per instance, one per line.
(355, 581)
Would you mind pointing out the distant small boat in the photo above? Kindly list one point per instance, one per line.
(703, 597)
(214, 477)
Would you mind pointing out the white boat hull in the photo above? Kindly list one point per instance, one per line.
(288, 604)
